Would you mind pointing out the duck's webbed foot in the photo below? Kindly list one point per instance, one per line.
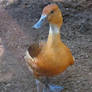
(52, 88)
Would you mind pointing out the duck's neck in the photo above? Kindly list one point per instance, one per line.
(54, 35)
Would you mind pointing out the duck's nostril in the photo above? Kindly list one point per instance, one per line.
(40, 22)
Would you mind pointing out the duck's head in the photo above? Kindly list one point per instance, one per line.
(53, 14)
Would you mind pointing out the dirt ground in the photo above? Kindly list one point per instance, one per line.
(16, 34)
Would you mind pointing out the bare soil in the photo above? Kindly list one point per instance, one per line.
(16, 34)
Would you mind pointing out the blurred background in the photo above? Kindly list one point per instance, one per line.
(16, 34)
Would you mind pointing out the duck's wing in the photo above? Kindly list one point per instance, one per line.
(31, 55)
(36, 48)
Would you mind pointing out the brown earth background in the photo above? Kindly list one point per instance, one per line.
(16, 34)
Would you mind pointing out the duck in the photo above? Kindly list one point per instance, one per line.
(50, 58)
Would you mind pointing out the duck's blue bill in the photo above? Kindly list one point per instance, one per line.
(40, 22)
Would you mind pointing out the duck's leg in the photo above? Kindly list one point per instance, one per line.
(46, 86)
(38, 85)
(51, 87)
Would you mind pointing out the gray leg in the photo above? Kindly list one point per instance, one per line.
(46, 86)
(38, 85)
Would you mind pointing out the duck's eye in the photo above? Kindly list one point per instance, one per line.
(52, 12)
